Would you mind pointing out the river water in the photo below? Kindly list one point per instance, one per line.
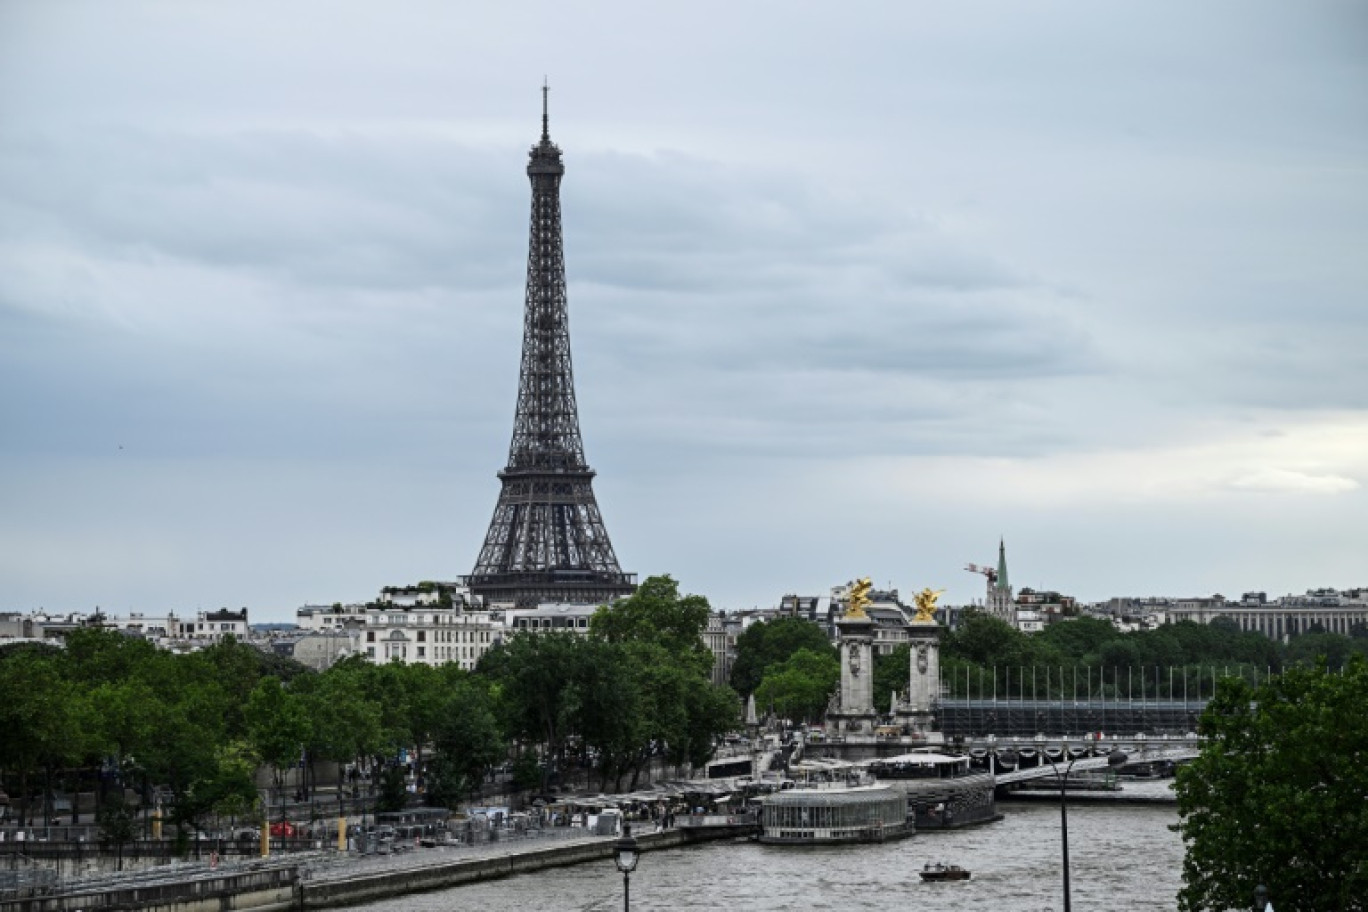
(1121, 857)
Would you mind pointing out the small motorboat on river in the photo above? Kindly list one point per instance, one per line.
(938, 872)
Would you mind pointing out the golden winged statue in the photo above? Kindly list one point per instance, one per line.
(859, 598)
(926, 605)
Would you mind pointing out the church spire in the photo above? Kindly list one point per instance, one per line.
(1002, 566)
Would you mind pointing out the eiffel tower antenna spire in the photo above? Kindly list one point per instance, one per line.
(546, 541)
(546, 127)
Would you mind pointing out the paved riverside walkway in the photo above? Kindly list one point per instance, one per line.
(328, 866)
(435, 870)
(323, 878)
(316, 865)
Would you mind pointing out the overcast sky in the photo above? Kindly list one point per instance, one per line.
(855, 289)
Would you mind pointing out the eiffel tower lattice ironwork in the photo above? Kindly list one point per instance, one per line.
(547, 541)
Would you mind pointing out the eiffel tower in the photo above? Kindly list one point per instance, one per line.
(547, 541)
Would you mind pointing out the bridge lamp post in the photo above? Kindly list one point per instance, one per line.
(625, 855)
(1115, 759)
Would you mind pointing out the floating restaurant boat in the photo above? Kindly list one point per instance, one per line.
(943, 790)
(822, 816)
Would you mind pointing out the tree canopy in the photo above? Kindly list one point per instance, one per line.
(1161, 662)
(637, 687)
(1279, 794)
(766, 644)
(800, 686)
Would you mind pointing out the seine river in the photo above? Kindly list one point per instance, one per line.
(1121, 857)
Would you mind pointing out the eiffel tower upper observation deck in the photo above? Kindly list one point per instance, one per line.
(547, 541)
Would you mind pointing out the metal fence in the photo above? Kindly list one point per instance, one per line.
(1059, 718)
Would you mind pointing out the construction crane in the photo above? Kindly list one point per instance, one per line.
(986, 571)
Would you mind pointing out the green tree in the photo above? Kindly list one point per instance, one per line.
(891, 672)
(39, 720)
(393, 794)
(125, 716)
(665, 705)
(712, 712)
(801, 686)
(118, 826)
(1279, 794)
(537, 702)
(606, 706)
(466, 740)
(768, 643)
(1331, 648)
(344, 723)
(416, 708)
(1079, 638)
(1224, 625)
(231, 789)
(1119, 655)
(235, 668)
(276, 726)
(985, 640)
(184, 755)
(657, 613)
(102, 656)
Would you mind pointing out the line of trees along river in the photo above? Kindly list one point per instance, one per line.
(108, 713)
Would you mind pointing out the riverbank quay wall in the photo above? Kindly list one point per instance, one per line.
(273, 890)
(280, 889)
(325, 894)
(1039, 796)
(81, 859)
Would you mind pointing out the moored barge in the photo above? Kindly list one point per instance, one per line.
(824, 816)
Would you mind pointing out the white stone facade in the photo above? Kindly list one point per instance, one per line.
(427, 635)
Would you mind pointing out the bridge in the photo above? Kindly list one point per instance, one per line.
(1052, 757)
(1041, 735)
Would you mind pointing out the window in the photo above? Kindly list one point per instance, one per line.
(422, 638)
(421, 650)
(370, 638)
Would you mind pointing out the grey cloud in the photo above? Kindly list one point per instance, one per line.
(676, 222)
(341, 210)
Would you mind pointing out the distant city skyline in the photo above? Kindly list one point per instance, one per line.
(849, 295)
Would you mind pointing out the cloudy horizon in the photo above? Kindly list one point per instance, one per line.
(853, 292)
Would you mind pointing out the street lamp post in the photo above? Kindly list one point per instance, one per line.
(625, 855)
(1115, 759)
